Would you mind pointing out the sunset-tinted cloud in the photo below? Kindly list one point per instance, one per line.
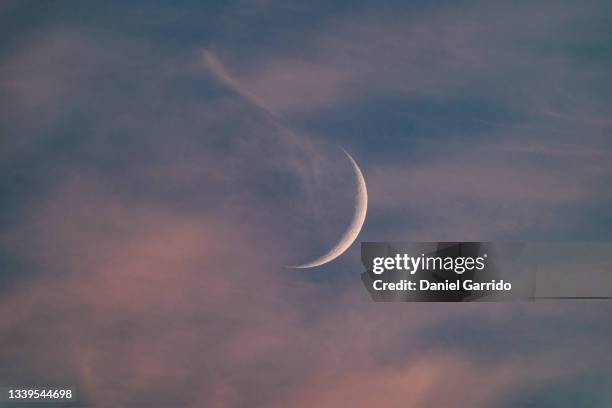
(161, 165)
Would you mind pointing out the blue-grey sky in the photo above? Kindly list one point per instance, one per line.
(161, 162)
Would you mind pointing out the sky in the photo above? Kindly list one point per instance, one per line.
(160, 163)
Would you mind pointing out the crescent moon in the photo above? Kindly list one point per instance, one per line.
(351, 233)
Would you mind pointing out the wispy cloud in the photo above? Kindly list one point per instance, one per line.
(155, 180)
(166, 295)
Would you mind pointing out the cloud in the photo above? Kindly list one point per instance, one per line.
(163, 187)
(142, 275)
(430, 379)
(140, 304)
(145, 298)
(38, 81)
(450, 53)
(216, 67)
(491, 190)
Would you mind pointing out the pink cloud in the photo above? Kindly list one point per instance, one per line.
(140, 300)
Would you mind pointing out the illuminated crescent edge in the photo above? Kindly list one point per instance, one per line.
(351, 233)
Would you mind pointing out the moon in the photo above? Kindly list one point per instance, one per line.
(361, 198)
(359, 215)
